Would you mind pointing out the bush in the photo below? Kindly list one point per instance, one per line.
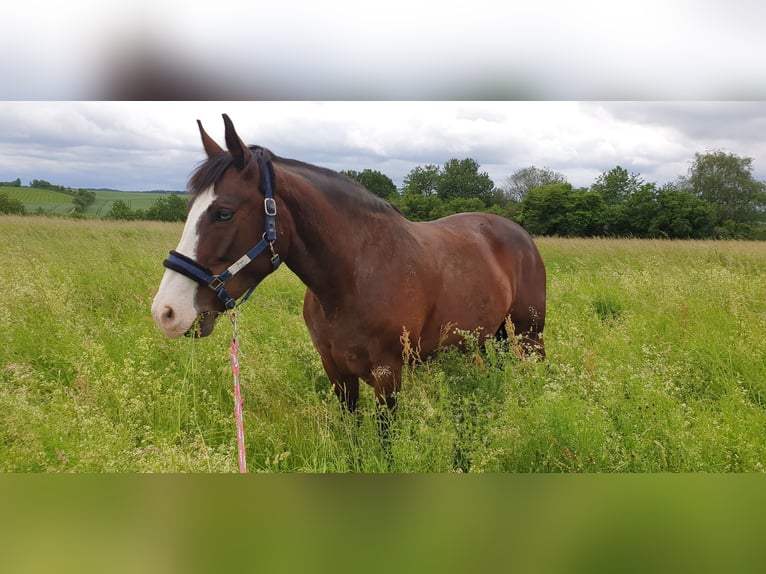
(681, 215)
(10, 205)
(121, 210)
(170, 208)
(560, 209)
(416, 207)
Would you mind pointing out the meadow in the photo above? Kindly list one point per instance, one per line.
(656, 363)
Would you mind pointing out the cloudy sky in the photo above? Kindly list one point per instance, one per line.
(673, 53)
(155, 145)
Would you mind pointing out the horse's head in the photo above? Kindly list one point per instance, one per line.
(232, 213)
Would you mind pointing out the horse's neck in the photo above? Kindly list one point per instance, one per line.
(328, 239)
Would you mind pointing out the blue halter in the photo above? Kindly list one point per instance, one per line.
(187, 266)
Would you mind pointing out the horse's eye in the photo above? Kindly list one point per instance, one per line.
(223, 214)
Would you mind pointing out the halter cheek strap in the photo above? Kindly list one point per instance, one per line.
(190, 268)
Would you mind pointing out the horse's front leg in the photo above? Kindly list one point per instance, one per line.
(345, 386)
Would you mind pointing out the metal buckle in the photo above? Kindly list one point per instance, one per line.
(274, 256)
(270, 206)
(215, 283)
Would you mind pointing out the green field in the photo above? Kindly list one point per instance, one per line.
(656, 362)
(57, 203)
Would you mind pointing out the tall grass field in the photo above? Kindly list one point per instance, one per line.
(656, 362)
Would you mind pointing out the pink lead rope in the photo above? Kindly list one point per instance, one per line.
(238, 397)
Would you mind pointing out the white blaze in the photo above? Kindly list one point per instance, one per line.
(173, 307)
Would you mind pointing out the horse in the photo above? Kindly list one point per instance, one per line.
(376, 283)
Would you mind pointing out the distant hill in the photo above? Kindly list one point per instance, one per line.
(58, 203)
(160, 191)
(54, 202)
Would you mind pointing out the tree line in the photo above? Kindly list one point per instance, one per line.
(718, 198)
(168, 208)
(43, 184)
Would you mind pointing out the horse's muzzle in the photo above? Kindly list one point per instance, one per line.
(203, 325)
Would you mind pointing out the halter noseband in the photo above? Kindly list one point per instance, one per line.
(187, 266)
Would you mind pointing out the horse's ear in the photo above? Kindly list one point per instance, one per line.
(237, 148)
(211, 148)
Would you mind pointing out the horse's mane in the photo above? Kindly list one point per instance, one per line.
(212, 169)
(340, 188)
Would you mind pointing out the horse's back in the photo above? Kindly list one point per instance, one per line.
(509, 243)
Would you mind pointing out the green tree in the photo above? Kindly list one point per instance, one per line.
(11, 205)
(733, 230)
(121, 210)
(559, 209)
(82, 199)
(726, 181)
(587, 214)
(422, 180)
(461, 178)
(681, 215)
(417, 207)
(617, 185)
(464, 205)
(169, 208)
(375, 181)
(520, 182)
(668, 212)
(640, 210)
(40, 184)
(543, 209)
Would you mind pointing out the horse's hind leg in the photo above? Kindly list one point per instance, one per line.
(347, 391)
(533, 344)
(531, 335)
(387, 381)
(502, 333)
(527, 329)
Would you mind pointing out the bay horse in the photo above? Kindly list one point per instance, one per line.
(371, 275)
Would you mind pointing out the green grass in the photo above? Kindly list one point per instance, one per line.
(57, 203)
(656, 362)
